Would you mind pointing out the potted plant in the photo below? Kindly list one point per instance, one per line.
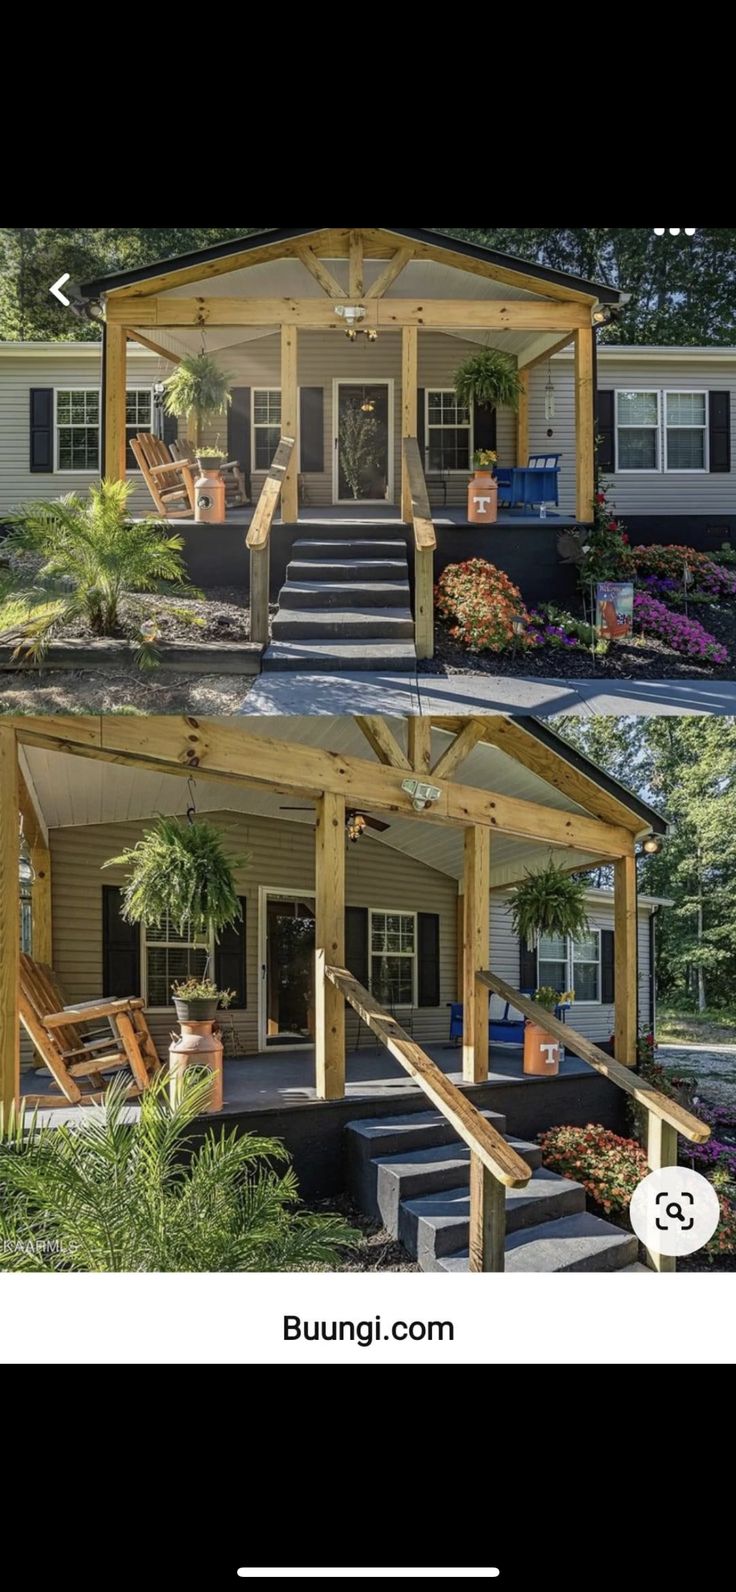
(196, 1000)
(549, 903)
(197, 392)
(488, 380)
(210, 459)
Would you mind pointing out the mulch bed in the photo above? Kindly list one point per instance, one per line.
(221, 615)
(624, 661)
(377, 1250)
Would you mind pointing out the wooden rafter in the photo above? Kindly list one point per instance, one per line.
(419, 732)
(456, 753)
(355, 266)
(320, 272)
(388, 275)
(525, 315)
(134, 336)
(382, 741)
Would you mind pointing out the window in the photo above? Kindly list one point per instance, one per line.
(169, 956)
(571, 964)
(266, 426)
(138, 417)
(686, 425)
(78, 429)
(449, 442)
(393, 958)
(78, 426)
(637, 431)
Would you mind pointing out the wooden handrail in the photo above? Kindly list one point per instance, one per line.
(496, 1154)
(425, 542)
(424, 531)
(260, 525)
(658, 1104)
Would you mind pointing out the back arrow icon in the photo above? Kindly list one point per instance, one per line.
(55, 289)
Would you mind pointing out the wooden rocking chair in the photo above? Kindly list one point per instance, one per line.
(69, 1054)
(170, 482)
(237, 488)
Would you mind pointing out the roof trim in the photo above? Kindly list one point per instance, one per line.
(437, 240)
(584, 765)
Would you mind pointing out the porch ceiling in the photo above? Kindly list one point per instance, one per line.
(73, 792)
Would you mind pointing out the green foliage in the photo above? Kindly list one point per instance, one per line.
(359, 445)
(202, 989)
(180, 872)
(549, 903)
(197, 388)
(109, 1195)
(489, 378)
(548, 997)
(92, 554)
(608, 1166)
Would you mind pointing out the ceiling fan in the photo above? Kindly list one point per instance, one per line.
(351, 813)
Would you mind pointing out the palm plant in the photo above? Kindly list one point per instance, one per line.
(198, 390)
(488, 378)
(92, 553)
(109, 1194)
(180, 873)
(549, 903)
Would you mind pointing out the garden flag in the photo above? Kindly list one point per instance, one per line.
(614, 609)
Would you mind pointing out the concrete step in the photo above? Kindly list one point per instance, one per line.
(347, 569)
(580, 1242)
(435, 1225)
(345, 594)
(371, 1140)
(352, 624)
(351, 549)
(417, 1172)
(339, 657)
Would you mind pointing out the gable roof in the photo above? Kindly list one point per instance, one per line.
(422, 235)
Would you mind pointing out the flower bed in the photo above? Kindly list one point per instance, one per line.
(682, 633)
(608, 1166)
(667, 565)
(483, 603)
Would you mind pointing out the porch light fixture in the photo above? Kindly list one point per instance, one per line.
(353, 314)
(422, 795)
(368, 405)
(599, 316)
(652, 846)
(355, 826)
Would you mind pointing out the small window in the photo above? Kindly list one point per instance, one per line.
(686, 427)
(448, 440)
(637, 431)
(78, 429)
(393, 958)
(571, 964)
(168, 957)
(552, 968)
(266, 426)
(138, 417)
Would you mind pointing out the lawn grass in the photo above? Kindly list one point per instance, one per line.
(715, 1025)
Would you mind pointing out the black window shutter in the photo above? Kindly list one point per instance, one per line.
(605, 428)
(42, 431)
(484, 427)
(170, 428)
(230, 959)
(421, 434)
(527, 967)
(428, 947)
(356, 943)
(121, 945)
(608, 976)
(238, 428)
(719, 425)
(312, 430)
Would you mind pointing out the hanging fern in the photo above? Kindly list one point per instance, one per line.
(179, 872)
(198, 388)
(550, 904)
(488, 378)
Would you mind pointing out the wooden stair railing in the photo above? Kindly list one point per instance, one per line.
(665, 1118)
(425, 542)
(494, 1164)
(258, 539)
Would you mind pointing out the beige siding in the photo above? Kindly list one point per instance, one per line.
(77, 367)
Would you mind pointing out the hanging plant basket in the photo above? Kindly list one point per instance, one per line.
(198, 390)
(179, 872)
(549, 904)
(490, 379)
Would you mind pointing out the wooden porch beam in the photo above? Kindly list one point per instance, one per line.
(382, 741)
(459, 749)
(114, 388)
(409, 399)
(419, 731)
(211, 269)
(321, 273)
(388, 275)
(535, 354)
(584, 424)
(329, 929)
(511, 737)
(290, 423)
(36, 837)
(625, 960)
(355, 266)
(476, 952)
(381, 313)
(522, 420)
(156, 348)
(9, 919)
(221, 751)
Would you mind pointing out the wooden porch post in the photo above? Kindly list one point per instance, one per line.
(329, 1005)
(661, 1151)
(116, 339)
(476, 952)
(584, 437)
(290, 423)
(522, 420)
(41, 920)
(625, 932)
(409, 378)
(9, 918)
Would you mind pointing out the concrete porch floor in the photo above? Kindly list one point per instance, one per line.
(383, 514)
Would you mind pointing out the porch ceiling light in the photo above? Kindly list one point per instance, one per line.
(652, 845)
(422, 795)
(353, 314)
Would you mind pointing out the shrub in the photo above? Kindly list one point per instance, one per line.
(555, 627)
(607, 555)
(682, 633)
(483, 602)
(608, 1166)
(667, 564)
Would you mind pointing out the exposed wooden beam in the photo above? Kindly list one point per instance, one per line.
(662, 1150)
(35, 834)
(329, 930)
(156, 348)
(499, 273)
(409, 378)
(419, 731)
(459, 749)
(511, 737)
(382, 741)
(625, 960)
(264, 254)
(522, 420)
(536, 352)
(290, 422)
(476, 952)
(320, 272)
(35, 829)
(222, 751)
(395, 266)
(355, 266)
(584, 424)
(114, 386)
(9, 918)
(382, 313)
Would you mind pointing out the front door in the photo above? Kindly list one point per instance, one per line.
(287, 971)
(363, 442)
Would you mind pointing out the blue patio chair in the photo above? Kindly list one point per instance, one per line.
(533, 483)
(501, 1030)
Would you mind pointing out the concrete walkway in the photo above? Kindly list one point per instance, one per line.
(482, 693)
